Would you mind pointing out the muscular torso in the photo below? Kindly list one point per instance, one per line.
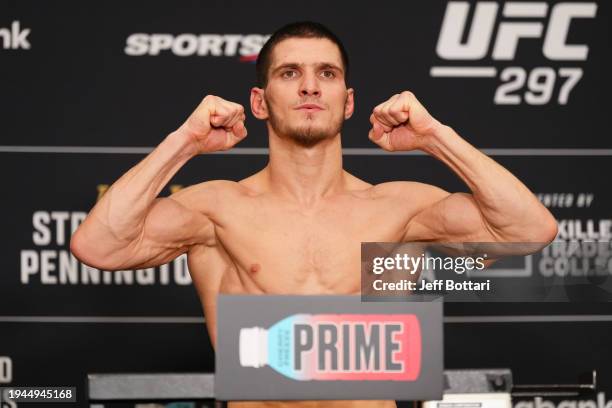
(268, 245)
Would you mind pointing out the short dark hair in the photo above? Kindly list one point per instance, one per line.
(300, 29)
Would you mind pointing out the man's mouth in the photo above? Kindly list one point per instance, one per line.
(309, 107)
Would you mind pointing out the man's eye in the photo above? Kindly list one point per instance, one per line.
(328, 74)
(289, 74)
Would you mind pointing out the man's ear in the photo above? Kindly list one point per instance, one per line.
(258, 104)
(349, 105)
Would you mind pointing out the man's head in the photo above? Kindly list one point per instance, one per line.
(302, 71)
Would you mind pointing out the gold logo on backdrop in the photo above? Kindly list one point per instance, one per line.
(101, 190)
(175, 187)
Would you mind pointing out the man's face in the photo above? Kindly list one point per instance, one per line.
(306, 95)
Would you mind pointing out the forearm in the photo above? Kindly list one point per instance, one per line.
(509, 209)
(118, 217)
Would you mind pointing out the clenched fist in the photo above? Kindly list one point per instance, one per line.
(401, 123)
(215, 125)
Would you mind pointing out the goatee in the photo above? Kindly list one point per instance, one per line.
(307, 135)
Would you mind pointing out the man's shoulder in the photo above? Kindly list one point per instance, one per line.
(211, 186)
(355, 184)
(408, 190)
(209, 193)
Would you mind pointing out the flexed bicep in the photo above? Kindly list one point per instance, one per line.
(170, 229)
(450, 217)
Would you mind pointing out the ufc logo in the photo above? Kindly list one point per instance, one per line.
(509, 33)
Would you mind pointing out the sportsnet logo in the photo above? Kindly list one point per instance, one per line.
(186, 45)
(489, 34)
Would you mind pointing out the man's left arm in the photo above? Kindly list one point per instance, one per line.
(500, 209)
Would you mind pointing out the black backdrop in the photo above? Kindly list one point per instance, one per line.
(78, 109)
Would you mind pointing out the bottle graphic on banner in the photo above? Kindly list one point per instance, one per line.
(358, 347)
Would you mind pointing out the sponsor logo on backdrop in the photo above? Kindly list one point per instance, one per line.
(539, 402)
(583, 245)
(494, 37)
(14, 37)
(244, 46)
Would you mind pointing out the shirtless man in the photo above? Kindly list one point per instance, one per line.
(295, 227)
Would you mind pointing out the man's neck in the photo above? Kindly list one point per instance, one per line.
(305, 174)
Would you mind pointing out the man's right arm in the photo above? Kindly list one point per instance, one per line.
(130, 227)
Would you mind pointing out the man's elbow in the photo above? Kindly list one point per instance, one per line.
(534, 234)
(82, 249)
(547, 227)
(88, 252)
(76, 245)
(552, 229)
(544, 230)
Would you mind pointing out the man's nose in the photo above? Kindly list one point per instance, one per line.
(309, 85)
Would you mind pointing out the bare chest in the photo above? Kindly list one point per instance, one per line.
(290, 252)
